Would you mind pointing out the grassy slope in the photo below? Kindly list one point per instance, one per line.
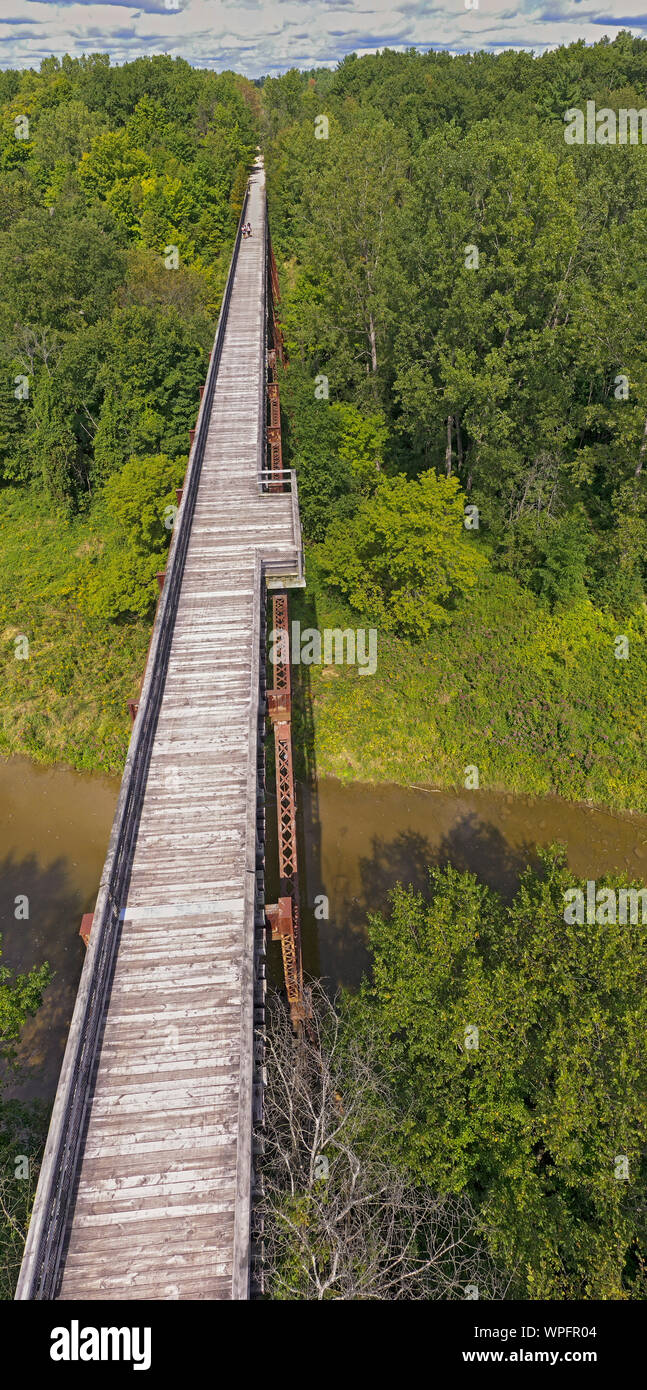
(67, 702)
(537, 701)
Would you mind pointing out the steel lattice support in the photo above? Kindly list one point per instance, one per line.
(284, 917)
(274, 437)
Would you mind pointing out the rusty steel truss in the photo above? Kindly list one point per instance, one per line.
(283, 917)
(274, 428)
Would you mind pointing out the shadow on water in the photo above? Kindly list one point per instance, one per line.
(481, 848)
(54, 827)
(370, 838)
(358, 890)
(471, 845)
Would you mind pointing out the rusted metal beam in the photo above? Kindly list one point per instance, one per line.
(284, 918)
(276, 459)
(275, 404)
(86, 927)
(280, 620)
(274, 445)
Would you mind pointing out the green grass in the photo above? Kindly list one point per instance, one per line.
(536, 700)
(68, 701)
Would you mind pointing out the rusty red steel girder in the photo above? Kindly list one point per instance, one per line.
(274, 438)
(284, 917)
(275, 408)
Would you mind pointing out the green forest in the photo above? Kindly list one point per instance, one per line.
(514, 387)
(117, 219)
(463, 295)
(463, 301)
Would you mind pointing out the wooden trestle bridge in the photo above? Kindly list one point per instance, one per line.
(148, 1175)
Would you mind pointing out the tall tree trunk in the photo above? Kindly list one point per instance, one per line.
(641, 455)
(371, 335)
(459, 442)
(448, 450)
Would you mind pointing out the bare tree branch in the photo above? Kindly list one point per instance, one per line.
(339, 1218)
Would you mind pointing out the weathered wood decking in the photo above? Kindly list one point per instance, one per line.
(162, 1199)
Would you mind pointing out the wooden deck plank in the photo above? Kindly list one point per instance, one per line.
(164, 1179)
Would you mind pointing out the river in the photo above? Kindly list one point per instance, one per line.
(356, 842)
(54, 830)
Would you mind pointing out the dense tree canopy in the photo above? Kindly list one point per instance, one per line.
(404, 554)
(115, 167)
(513, 1040)
(449, 261)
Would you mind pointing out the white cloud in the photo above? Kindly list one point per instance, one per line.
(261, 36)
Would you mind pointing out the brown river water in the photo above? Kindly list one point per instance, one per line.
(356, 842)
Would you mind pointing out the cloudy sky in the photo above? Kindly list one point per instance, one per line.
(262, 36)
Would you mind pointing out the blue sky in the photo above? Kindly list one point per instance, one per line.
(261, 36)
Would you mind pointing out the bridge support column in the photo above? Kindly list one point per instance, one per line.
(283, 918)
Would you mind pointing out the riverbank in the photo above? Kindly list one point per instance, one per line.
(537, 701)
(63, 695)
